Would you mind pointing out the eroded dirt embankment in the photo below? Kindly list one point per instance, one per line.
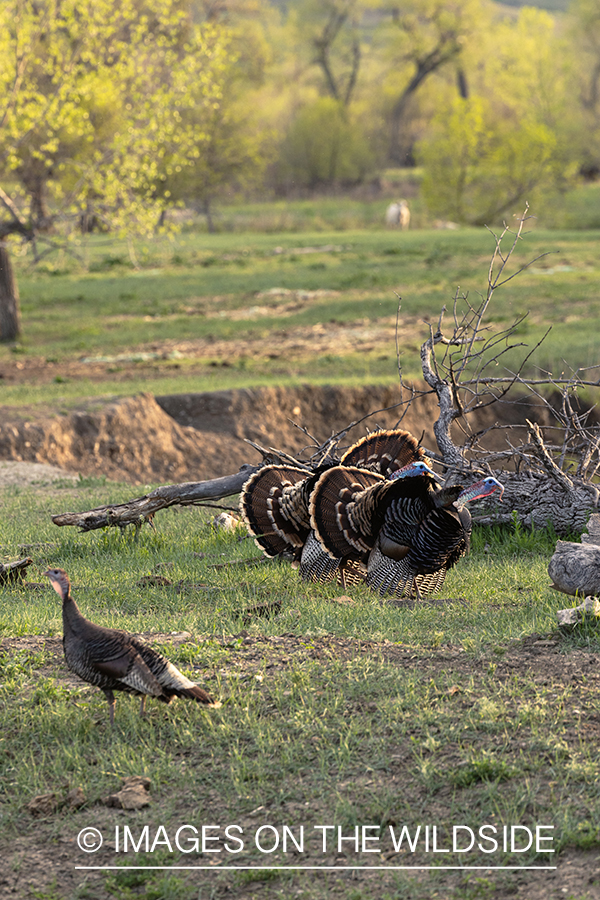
(193, 437)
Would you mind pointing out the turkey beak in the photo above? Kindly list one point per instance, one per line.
(500, 489)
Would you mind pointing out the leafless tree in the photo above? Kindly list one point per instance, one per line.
(549, 472)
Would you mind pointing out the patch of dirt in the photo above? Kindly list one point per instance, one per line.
(298, 342)
(537, 655)
(27, 473)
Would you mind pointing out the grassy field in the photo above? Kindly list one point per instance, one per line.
(206, 312)
(337, 711)
(344, 718)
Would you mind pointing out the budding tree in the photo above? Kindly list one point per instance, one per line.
(99, 101)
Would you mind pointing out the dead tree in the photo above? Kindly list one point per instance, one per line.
(10, 321)
(548, 474)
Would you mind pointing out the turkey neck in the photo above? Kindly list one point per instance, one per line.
(73, 621)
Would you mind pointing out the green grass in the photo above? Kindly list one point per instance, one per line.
(198, 295)
(344, 714)
(334, 713)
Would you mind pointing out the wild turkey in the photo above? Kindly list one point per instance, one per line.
(274, 502)
(351, 541)
(405, 531)
(438, 541)
(116, 661)
(347, 510)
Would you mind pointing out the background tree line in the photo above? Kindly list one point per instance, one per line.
(112, 112)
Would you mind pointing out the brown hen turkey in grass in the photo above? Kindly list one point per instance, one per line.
(116, 661)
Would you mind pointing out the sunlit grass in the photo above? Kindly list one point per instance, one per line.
(318, 734)
(199, 290)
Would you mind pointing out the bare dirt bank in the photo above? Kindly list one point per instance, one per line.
(193, 437)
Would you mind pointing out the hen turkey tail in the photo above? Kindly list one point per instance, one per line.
(384, 451)
(173, 682)
(274, 506)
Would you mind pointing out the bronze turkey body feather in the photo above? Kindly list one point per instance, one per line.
(116, 661)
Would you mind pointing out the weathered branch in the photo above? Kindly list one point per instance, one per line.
(136, 512)
(553, 470)
(14, 571)
(451, 454)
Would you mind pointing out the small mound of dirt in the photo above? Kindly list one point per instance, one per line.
(133, 440)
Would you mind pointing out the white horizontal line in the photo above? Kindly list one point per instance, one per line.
(317, 868)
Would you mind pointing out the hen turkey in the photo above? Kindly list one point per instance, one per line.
(116, 661)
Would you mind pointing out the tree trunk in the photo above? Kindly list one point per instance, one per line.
(209, 219)
(10, 324)
(424, 67)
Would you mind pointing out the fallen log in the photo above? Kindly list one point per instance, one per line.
(13, 572)
(575, 568)
(142, 509)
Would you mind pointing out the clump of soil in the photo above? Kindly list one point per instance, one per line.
(194, 437)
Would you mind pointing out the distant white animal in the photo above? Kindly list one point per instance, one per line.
(397, 215)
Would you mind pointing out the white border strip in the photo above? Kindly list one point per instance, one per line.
(217, 868)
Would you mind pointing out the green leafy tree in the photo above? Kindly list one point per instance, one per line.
(322, 147)
(233, 157)
(237, 145)
(585, 32)
(478, 167)
(510, 140)
(94, 96)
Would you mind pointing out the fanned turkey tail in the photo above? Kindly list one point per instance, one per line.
(384, 451)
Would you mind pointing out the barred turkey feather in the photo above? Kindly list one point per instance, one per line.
(420, 510)
(343, 508)
(173, 682)
(377, 516)
(398, 578)
(441, 539)
(384, 451)
(407, 530)
(274, 502)
(274, 506)
(317, 565)
(116, 661)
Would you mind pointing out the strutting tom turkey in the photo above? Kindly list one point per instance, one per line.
(116, 661)
(405, 531)
(275, 502)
